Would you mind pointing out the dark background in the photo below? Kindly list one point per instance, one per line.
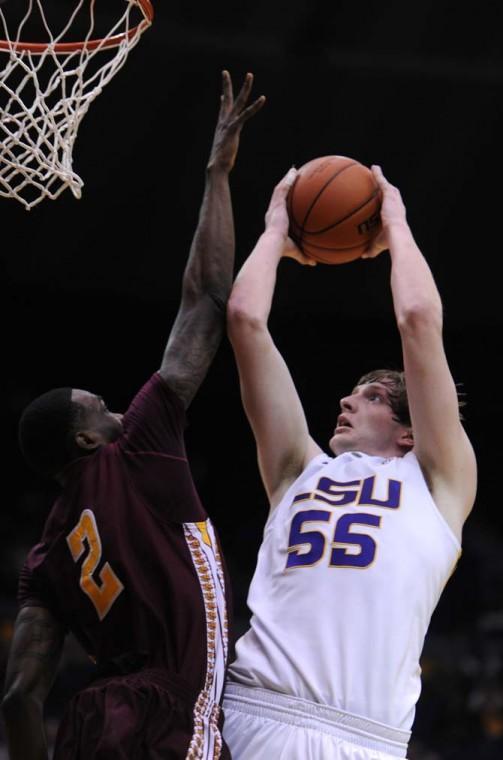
(90, 288)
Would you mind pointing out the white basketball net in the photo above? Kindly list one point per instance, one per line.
(44, 95)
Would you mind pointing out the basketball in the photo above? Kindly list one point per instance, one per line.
(334, 209)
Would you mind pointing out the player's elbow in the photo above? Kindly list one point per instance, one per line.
(195, 291)
(242, 318)
(419, 317)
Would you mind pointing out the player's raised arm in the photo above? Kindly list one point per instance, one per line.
(207, 279)
(33, 657)
(270, 399)
(440, 442)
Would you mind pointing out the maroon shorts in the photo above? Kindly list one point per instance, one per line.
(142, 716)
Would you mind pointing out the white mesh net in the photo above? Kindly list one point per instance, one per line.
(46, 90)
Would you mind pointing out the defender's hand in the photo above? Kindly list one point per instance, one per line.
(233, 114)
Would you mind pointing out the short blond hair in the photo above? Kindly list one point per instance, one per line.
(394, 380)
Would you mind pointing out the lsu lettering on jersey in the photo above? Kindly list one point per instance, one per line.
(353, 562)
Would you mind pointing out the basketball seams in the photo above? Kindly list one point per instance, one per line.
(298, 234)
(344, 218)
(363, 244)
(320, 193)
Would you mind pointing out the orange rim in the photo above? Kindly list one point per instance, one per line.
(70, 47)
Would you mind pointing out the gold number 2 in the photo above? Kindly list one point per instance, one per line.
(102, 596)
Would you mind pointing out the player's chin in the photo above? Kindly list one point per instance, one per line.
(115, 431)
(339, 442)
(336, 444)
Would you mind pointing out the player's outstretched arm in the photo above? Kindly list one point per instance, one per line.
(440, 442)
(33, 658)
(269, 396)
(207, 279)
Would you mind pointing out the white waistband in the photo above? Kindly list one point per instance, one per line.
(306, 714)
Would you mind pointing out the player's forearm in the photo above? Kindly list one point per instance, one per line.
(33, 658)
(207, 281)
(24, 726)
(415, 294)
(253, 290)
(209, 269)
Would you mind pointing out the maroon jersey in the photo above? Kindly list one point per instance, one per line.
(130, 562)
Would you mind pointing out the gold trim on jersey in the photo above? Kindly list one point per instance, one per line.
(206, 740)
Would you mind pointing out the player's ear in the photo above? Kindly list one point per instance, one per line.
(406, 438)
(88, 439)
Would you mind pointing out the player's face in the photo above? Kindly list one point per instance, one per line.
(98, 419)
(367, 423)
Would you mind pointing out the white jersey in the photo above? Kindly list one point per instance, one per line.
(352, 565)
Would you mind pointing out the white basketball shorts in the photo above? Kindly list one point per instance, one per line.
(262, 725)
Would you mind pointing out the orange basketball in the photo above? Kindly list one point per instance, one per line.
(334, 209)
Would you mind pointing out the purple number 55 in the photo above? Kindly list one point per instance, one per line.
(344, 539)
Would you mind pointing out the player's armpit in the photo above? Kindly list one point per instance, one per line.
(440, 442)
(272, 405)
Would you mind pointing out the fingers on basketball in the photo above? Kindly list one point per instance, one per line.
(376, 246)
(286, 182)
(292, 251)
(384, 184)
(281, 190)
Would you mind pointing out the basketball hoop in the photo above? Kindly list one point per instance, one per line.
(46, 89)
